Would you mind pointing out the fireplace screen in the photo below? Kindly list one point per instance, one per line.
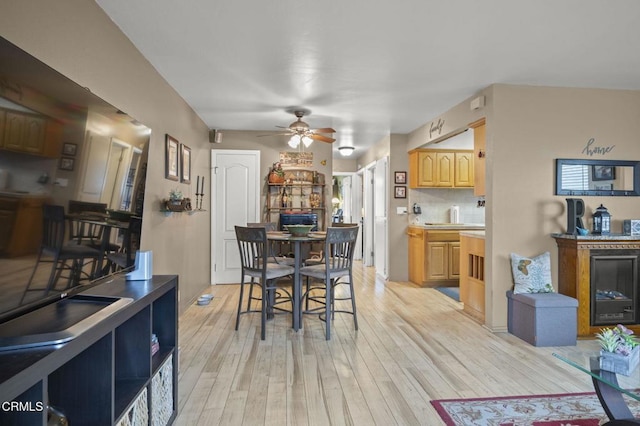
(614, 294)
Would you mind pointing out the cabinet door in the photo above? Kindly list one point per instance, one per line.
(13, 130)
(427, 167)
(445, 164)
(3, 117)
(454, 261)
(437, 261)
(479, 150)
(416, 256)
(463, 170)
(33, 135)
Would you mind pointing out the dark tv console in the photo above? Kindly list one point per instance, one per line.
(106, 375)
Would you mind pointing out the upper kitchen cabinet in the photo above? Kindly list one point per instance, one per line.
(479, 156)
(441, 169)
(30, 133)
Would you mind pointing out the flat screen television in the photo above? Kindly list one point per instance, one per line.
(91, 135)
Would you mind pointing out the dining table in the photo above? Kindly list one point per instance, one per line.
(107, 225)
(297, 241)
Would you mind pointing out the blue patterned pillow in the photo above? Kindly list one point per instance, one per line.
(532, 275)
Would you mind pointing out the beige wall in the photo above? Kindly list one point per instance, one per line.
(77, 39)
(527, 129)
(398, 239)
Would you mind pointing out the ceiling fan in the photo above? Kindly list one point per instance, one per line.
(301, 132)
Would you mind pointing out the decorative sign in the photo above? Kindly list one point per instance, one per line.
(593, 150)
(436, 127)
(296, 160)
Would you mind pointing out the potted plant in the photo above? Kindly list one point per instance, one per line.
(276, 175)
(620, 350)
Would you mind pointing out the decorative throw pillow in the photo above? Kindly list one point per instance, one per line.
(532, 275)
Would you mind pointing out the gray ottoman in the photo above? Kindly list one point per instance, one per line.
(543, 319)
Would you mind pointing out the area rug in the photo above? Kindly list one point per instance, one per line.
(452, 292)
(574, 409)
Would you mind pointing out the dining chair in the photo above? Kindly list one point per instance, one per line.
(254, 254)
(272, 227)
(339, 247)
(125, 257)
(89, 234)
(54, 250)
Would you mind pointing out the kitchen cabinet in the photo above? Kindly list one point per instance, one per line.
(434, 256)
(20, 225)
(479, 157)
(416, 255)
(441, 169)
(31, 134)
(472, 286)
(443, 260)
(3, 116)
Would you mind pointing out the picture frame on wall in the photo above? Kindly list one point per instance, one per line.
(603, 172)
(172, 159)
(69, 149)
(185, 164)
(400, 192)
(67, 163)
(400, 178)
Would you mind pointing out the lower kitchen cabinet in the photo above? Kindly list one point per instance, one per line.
(434, 256)
(20, 225)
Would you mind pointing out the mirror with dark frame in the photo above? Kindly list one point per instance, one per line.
(597, 177)
(62, 145)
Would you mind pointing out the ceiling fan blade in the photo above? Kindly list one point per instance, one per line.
(322, 138)
(324, 130)
(282, 127)
(274, 134)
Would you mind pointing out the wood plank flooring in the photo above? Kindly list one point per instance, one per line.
(413, 345)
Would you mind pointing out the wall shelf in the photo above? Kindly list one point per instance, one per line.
(300, 197)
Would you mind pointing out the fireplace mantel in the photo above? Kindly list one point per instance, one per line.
(574, 271)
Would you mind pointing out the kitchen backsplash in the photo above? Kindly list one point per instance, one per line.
(24, 171)
(436, 204)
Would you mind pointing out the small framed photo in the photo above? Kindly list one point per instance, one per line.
(400, 178)
(67, 163)
(69, 149)
(185, 164)
(603, 172)
(400, 192)
(172, 164)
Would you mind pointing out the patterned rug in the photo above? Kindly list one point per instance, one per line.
(575, 409)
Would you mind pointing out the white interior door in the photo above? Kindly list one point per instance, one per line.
(236, 184)
(381, 202)
(97, 148)
(367, 217)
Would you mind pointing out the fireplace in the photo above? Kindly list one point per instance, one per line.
(614, 286)
(602, 273)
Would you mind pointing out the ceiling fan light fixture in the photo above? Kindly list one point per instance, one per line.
(294, 141)
(346, 151)
(306, 140)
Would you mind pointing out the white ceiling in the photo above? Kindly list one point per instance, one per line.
(374, 67)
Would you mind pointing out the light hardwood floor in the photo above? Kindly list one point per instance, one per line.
(413, 345)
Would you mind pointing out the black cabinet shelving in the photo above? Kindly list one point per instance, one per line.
(107, 374)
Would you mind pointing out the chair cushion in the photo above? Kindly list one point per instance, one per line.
(319, 272)
(274, 270)
(77, 251)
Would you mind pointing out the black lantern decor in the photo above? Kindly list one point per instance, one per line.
(601, 221)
